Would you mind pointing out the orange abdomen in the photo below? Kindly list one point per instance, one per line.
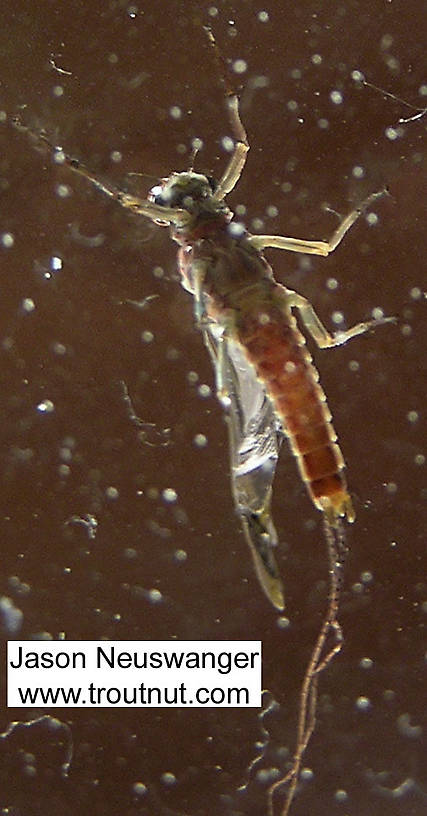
(277, 351)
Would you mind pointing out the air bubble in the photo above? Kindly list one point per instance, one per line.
(139, 788)
(386, 42)
(392, 63)
(55, 263)
(259, 81)
(170, 495)
(7, 240)
(272, 211)
(11, 616)
(228, 144)
(371, 219)
(46, 406)
(363, 703)
(236, 229)
(59, 156)
(405, 727)
(155, 596)
(337, 318)
(168, 778)
(172, 354)
(266, 776)
(391, 133)
(28, 305)
(63, 190)
(240, 66)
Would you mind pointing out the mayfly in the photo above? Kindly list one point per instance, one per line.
(265, 378)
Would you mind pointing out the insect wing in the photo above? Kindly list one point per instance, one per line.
(255, 438)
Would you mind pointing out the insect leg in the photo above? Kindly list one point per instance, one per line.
(139, 206)
(319, 332)
(198, 272)
(222, 387)
(234, 169)
(315, 247)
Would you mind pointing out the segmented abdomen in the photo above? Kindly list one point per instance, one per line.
(277, 350)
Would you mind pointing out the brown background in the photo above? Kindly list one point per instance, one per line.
(92, 588)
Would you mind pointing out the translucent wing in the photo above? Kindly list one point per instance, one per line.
(255, 439)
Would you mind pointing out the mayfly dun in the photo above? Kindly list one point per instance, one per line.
(265, 377)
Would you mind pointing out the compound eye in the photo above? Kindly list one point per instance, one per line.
(156, 195)
(213, 184)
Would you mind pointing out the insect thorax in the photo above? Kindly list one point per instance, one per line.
(189, 191)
